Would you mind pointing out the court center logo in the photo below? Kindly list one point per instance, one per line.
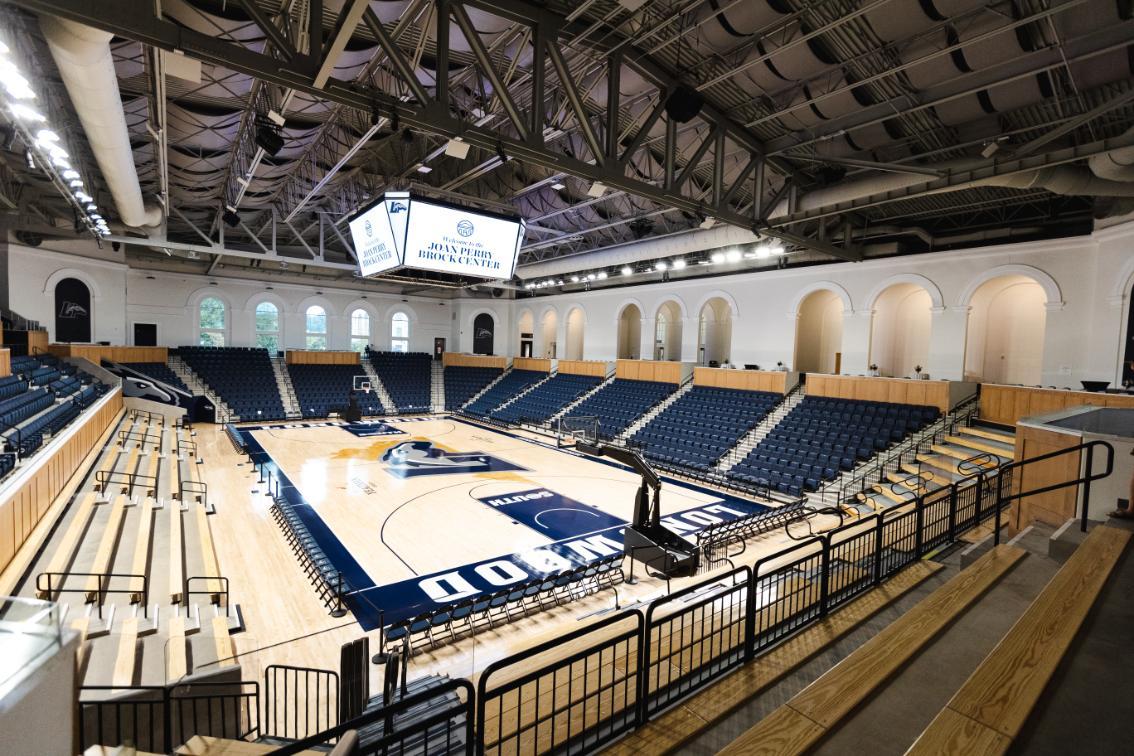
(465, 228)
(369, 228)
(412, 458)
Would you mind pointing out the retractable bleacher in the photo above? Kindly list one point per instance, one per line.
(407, 377)
(462, 383)
(321, 389)
(618, 404)
(511, 384)
(696, 430)
(547, 399)
(241, 376)
(822, 436)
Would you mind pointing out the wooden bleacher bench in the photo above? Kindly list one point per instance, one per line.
(176, 661)
(1003, 438)
(990, 709)
(104, 557)
(153, 462)
(678, 725)
(176, 553)
(127, 658)
(140, 564)
(130, 468)
(961, 455)
(208, 553)
(222, 641)
(799, 724)
(65, 552)
(929, 475)
(175, 476)
(974, 442)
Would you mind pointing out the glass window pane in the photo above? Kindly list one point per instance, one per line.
(212, 313)
(359, 344)
(316, 319)
(360, 323)
(268, 341)
(267, 317)
(399, 346)
(211, 338)
(317, 342)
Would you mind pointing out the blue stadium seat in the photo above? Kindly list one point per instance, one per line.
(513, 383)
(618, 404)
(407, 377)
(323, 388)
(547, 399)
(462, 383)
(241, 376)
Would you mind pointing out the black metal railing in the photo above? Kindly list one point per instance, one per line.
(139, 437)
(438, 719)
(574, 704)
(49, 584)
(156, 718)
(189, 489)
(128, 480)
(216, 588)
(299, 702)
(149, 417)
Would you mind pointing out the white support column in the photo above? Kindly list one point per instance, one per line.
(1062, 342)
(947, 334)
(856, 341)
(646, 345)
(689, 331)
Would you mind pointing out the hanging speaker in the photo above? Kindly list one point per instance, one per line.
(684, 104)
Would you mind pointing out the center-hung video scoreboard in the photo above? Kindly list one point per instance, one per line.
(403, 231)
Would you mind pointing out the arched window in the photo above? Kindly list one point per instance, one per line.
(211, 322)
(359, 330)
(399, 332)
(268, 327)
(316, 327)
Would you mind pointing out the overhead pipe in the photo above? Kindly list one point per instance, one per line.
(82, 55)
(1116, 165)
(640, 251)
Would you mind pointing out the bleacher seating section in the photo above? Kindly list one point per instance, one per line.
(462, 383)
(697, 429)
(407, 377)
(323, 388)
(544, 401)
(514, 383)
(822, 436)
(158, 371)
(241, 376)
(40, 398)
(618, 404)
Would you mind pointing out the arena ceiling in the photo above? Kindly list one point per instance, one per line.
(836, 129)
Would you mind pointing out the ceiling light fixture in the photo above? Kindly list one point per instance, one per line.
(661, 265)
(733, 255)
(602, 275)
(596, 190)
(269, 139)
(678, 264)
(558, 186)
(456, 148)
(627, 270)
(574, 279)
(424, 169)
(717, 258)
(24, 113)
(708, 223)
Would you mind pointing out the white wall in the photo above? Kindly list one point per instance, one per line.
(1086, 285)
(901, 329)
(1006, 332)
(575, 334)
(819, 333)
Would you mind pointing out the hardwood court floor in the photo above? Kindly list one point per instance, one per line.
(432, 499)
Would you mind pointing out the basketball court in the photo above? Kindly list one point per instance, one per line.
(416, 512)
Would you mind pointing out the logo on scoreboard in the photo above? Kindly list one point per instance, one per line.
(412, 458)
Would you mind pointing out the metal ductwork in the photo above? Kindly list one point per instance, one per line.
(1116, 165)
(85, 63)
(647, 249)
